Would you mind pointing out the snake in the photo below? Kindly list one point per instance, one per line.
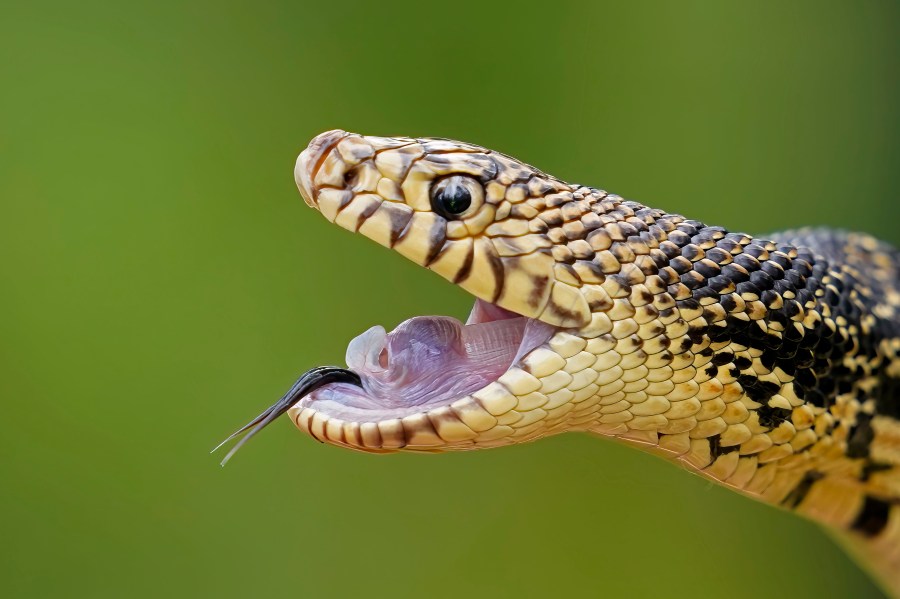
(769, 365)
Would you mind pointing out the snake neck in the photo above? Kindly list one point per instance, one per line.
(769, 366)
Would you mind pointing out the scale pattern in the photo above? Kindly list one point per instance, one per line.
(769, 365)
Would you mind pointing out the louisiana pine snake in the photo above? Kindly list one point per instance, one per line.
(769, 366)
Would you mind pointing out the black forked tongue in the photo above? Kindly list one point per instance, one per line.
(306, 384)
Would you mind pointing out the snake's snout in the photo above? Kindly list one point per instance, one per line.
(311, 159)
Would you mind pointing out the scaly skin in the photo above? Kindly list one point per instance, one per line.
(768, 366)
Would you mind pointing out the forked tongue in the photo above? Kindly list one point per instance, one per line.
(306, 384)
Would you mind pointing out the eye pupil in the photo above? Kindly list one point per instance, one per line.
(456, 198)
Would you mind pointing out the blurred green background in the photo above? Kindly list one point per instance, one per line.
(162, 282)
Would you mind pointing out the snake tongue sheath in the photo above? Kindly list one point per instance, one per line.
(306, 384)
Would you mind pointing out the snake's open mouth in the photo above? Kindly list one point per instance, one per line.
(427, 362)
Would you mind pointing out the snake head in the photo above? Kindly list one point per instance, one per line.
(524, 243)
(566, 296)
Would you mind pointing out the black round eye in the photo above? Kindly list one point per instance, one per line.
(454, 199)
(453, 196)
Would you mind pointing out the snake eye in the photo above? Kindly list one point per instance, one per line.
(456, 196)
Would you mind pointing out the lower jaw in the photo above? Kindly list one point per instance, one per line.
(495, 416)
(464, 424)
(435, 430)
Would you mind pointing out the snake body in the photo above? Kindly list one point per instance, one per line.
(768, 365)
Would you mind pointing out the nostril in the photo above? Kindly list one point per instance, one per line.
(351, 177)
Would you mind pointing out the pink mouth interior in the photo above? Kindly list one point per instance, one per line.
(428, 361)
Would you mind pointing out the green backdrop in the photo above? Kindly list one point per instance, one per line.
(162, 282)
